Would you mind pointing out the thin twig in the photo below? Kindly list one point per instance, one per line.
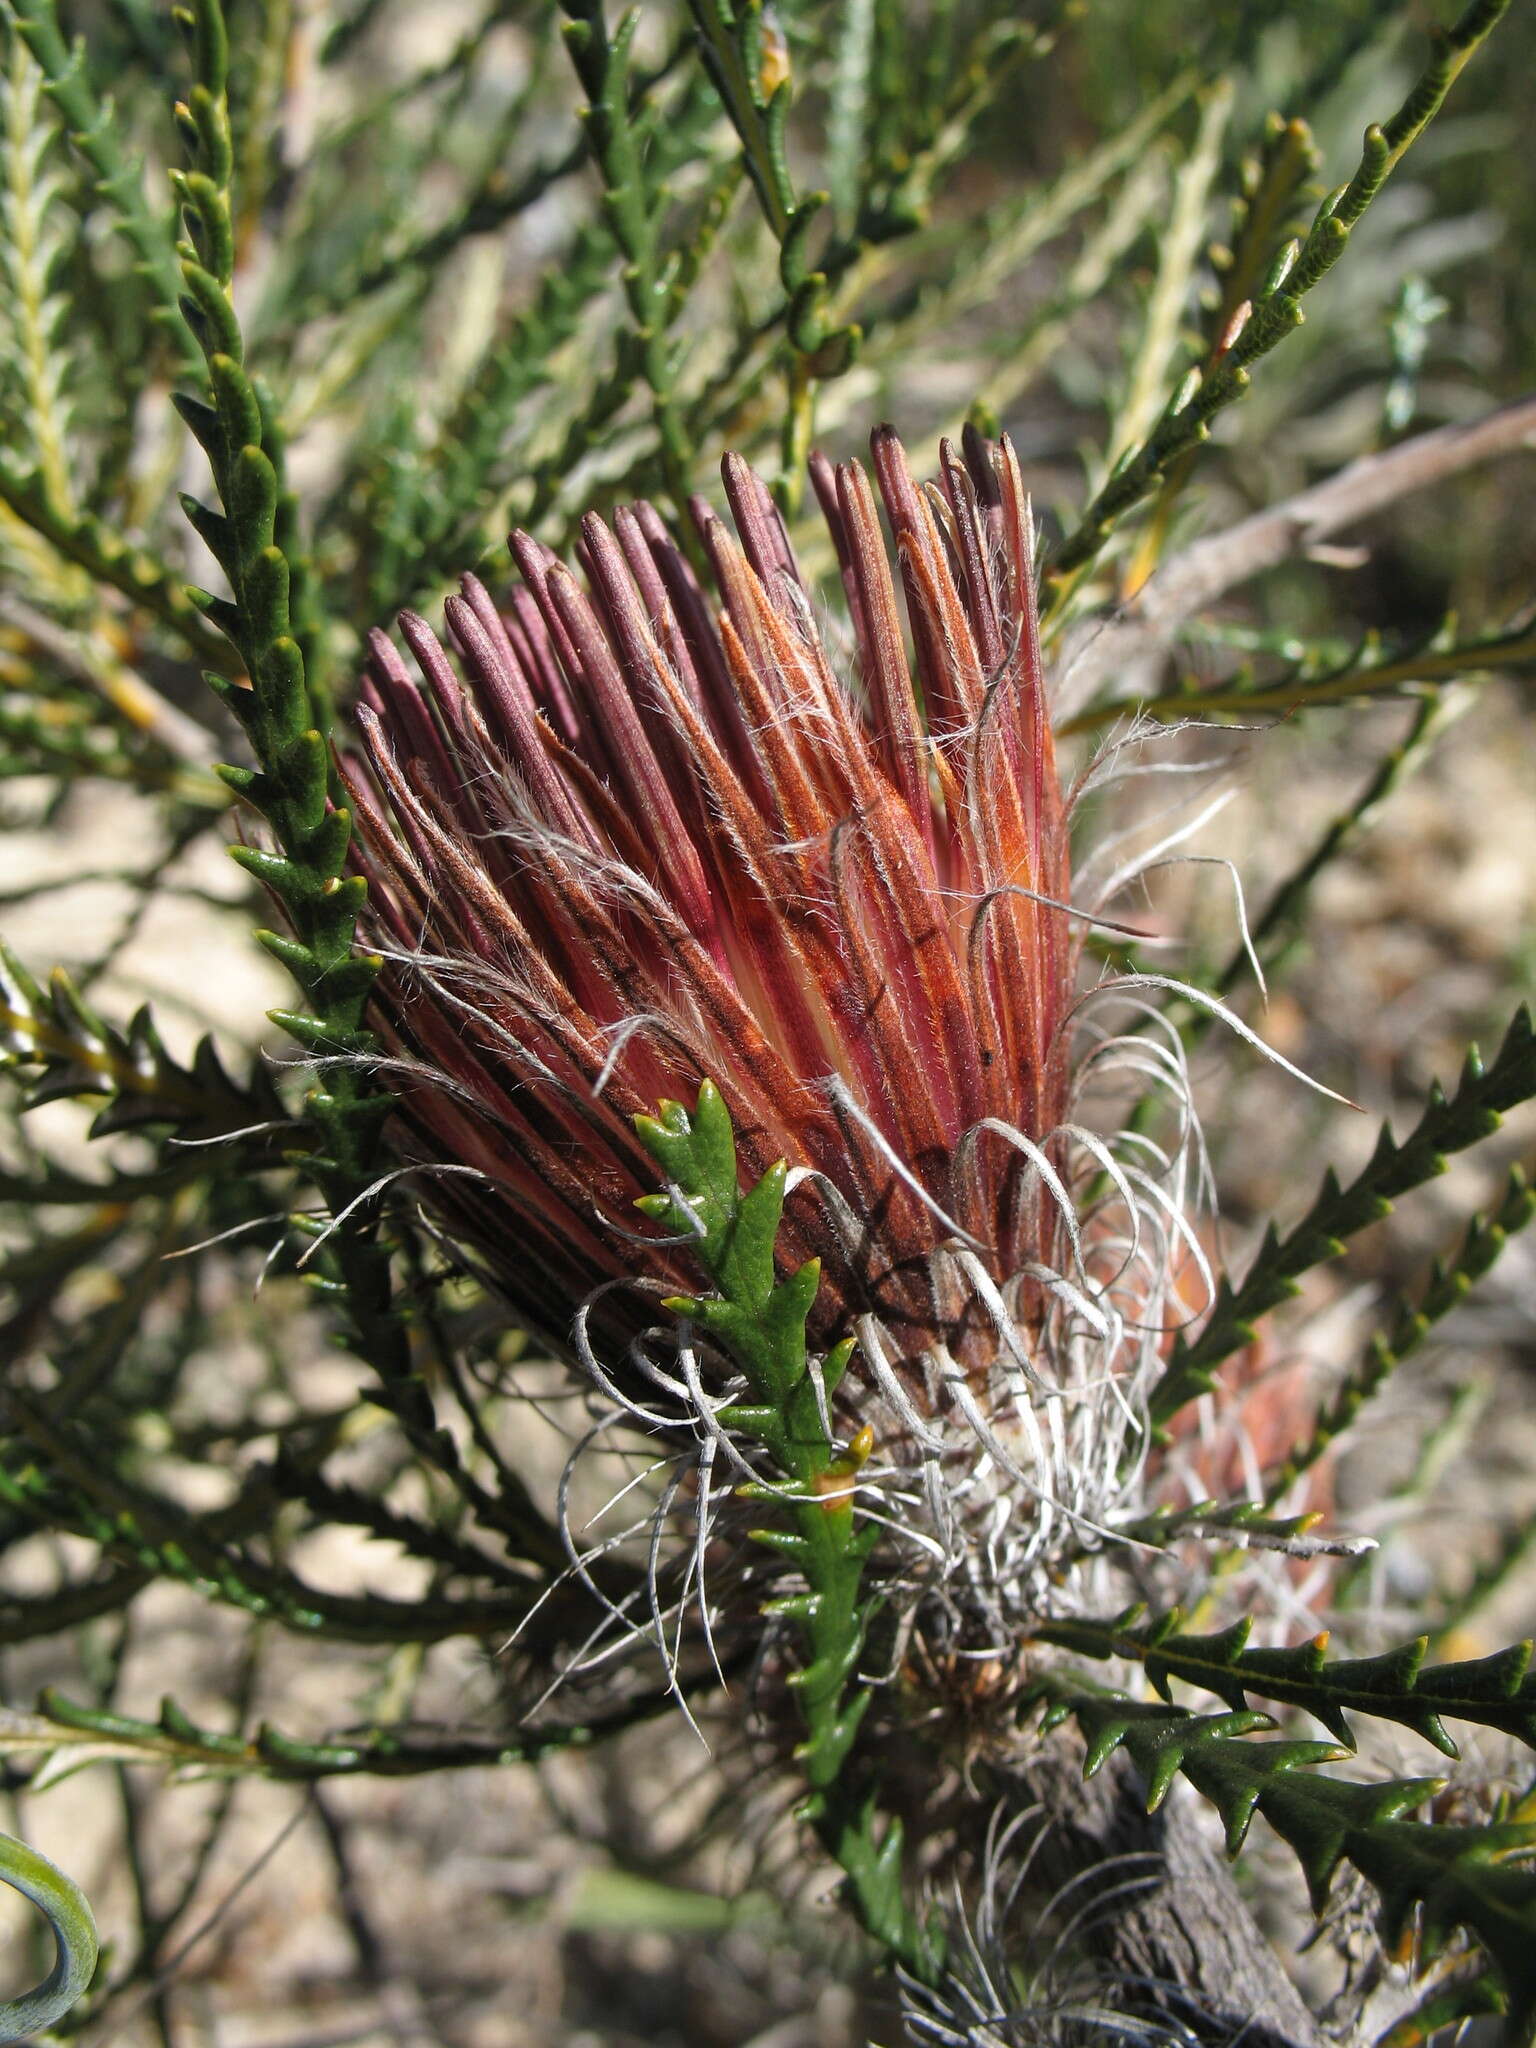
(171, 1967)
(1100, 649)
(123, 688)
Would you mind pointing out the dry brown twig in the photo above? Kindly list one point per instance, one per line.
(1146, 626)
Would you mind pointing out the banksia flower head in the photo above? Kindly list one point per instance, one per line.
(641, 839)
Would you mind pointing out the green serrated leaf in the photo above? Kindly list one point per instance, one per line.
(1493, 1692)
(761, 1321)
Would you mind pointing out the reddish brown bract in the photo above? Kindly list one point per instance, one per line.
(647, 841)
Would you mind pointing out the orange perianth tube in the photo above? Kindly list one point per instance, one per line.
(893, 709)
(646, 840)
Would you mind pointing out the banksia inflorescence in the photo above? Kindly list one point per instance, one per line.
(760, 925)
(738, 980)
(630, 848)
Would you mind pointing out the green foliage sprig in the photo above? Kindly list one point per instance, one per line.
(68, 1051)
(109, 557)
(1273, 180)
(1322, 679)
(61, 1735)
(632, 204)
(1449, 1284)
(1277, 931)
(1432, 1877)
(1448, 1124)
(759, 1321)
(158, 1537)
(292, 786)
(428, 516)
(93, 134)
(1494, 1692)
(749, 63)
(1275, 310)
(34, 245)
